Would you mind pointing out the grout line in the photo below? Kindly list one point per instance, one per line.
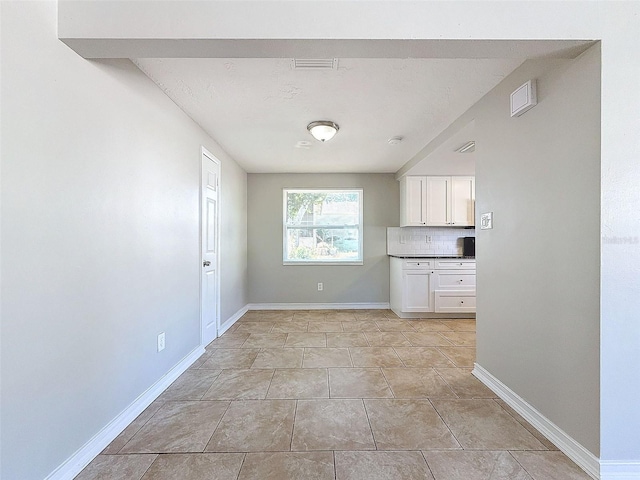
(396, 352)
(387, 380)
(244, 457)
(273, 374)
(428, 466)
(527, 426)
(522, 466)
(407, 338)
(350, 357)
(217, 425)
(375, 444)
(435, 370)
(445, 423)
(293, 425)
(148, 468)
(138, 430)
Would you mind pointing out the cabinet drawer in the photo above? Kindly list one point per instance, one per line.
(452, 301)
(464, 279)
(417, 264)
(455, 264)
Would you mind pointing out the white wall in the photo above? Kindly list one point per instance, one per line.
(272, 282)
(100, 240)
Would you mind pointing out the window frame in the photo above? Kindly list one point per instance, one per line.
(359, 226)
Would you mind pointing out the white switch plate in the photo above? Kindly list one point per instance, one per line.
(486, 221)
(161, 343)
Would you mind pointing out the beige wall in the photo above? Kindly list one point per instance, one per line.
(272, 282)
(539, 267)
(100, 240)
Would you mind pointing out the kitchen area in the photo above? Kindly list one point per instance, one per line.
(432, 253)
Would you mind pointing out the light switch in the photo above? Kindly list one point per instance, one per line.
(486, 221)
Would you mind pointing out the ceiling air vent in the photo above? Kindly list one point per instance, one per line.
(314, 64)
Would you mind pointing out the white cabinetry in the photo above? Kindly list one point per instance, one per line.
(411, 289)
(451, 201)
(455, 289)
(413, 201)
(428, 285)
(437, 201)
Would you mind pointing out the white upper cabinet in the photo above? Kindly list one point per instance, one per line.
(463, 201)
(437, 201)
(413, 201)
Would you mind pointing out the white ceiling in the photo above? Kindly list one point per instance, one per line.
(258, 109)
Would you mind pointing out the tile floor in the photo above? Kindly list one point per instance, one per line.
(340, 395)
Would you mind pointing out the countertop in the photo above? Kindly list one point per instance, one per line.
(422, 255)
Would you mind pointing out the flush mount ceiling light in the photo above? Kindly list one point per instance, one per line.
(323, 130)
(467, 147)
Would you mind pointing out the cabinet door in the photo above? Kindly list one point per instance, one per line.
(463, 199)
(412, 201)
(438, 194)
(416, 291)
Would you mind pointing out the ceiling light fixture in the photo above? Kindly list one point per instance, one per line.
(323, 130)
(467, 147)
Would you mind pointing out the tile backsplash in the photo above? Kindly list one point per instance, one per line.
(426, 240)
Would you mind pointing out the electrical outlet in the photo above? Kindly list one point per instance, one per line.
(428, 239)
(161, 341)
(320, 286)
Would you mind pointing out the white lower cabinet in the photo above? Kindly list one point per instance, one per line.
(452, 301)
(416, 291)
(427, 285)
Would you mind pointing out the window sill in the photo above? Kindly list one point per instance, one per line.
(355, 262)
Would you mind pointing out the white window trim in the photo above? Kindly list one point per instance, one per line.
(360, 261)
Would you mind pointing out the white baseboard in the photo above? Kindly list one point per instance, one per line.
(233, 319)
(610, 470)
(571, 448)
(76, 463)
(318, 306)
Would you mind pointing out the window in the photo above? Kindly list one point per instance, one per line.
(322, 226)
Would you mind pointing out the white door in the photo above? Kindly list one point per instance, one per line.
(209, 228)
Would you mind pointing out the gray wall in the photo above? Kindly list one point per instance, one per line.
(272, 282)
(100, 240)
(539, 268)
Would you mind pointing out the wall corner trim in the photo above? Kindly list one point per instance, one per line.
(570, 447)
(619, 470)
(319, 306)
(80, 459)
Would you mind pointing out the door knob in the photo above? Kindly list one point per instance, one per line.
(206, 263)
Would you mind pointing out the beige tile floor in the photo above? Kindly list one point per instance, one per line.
(346, 395)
